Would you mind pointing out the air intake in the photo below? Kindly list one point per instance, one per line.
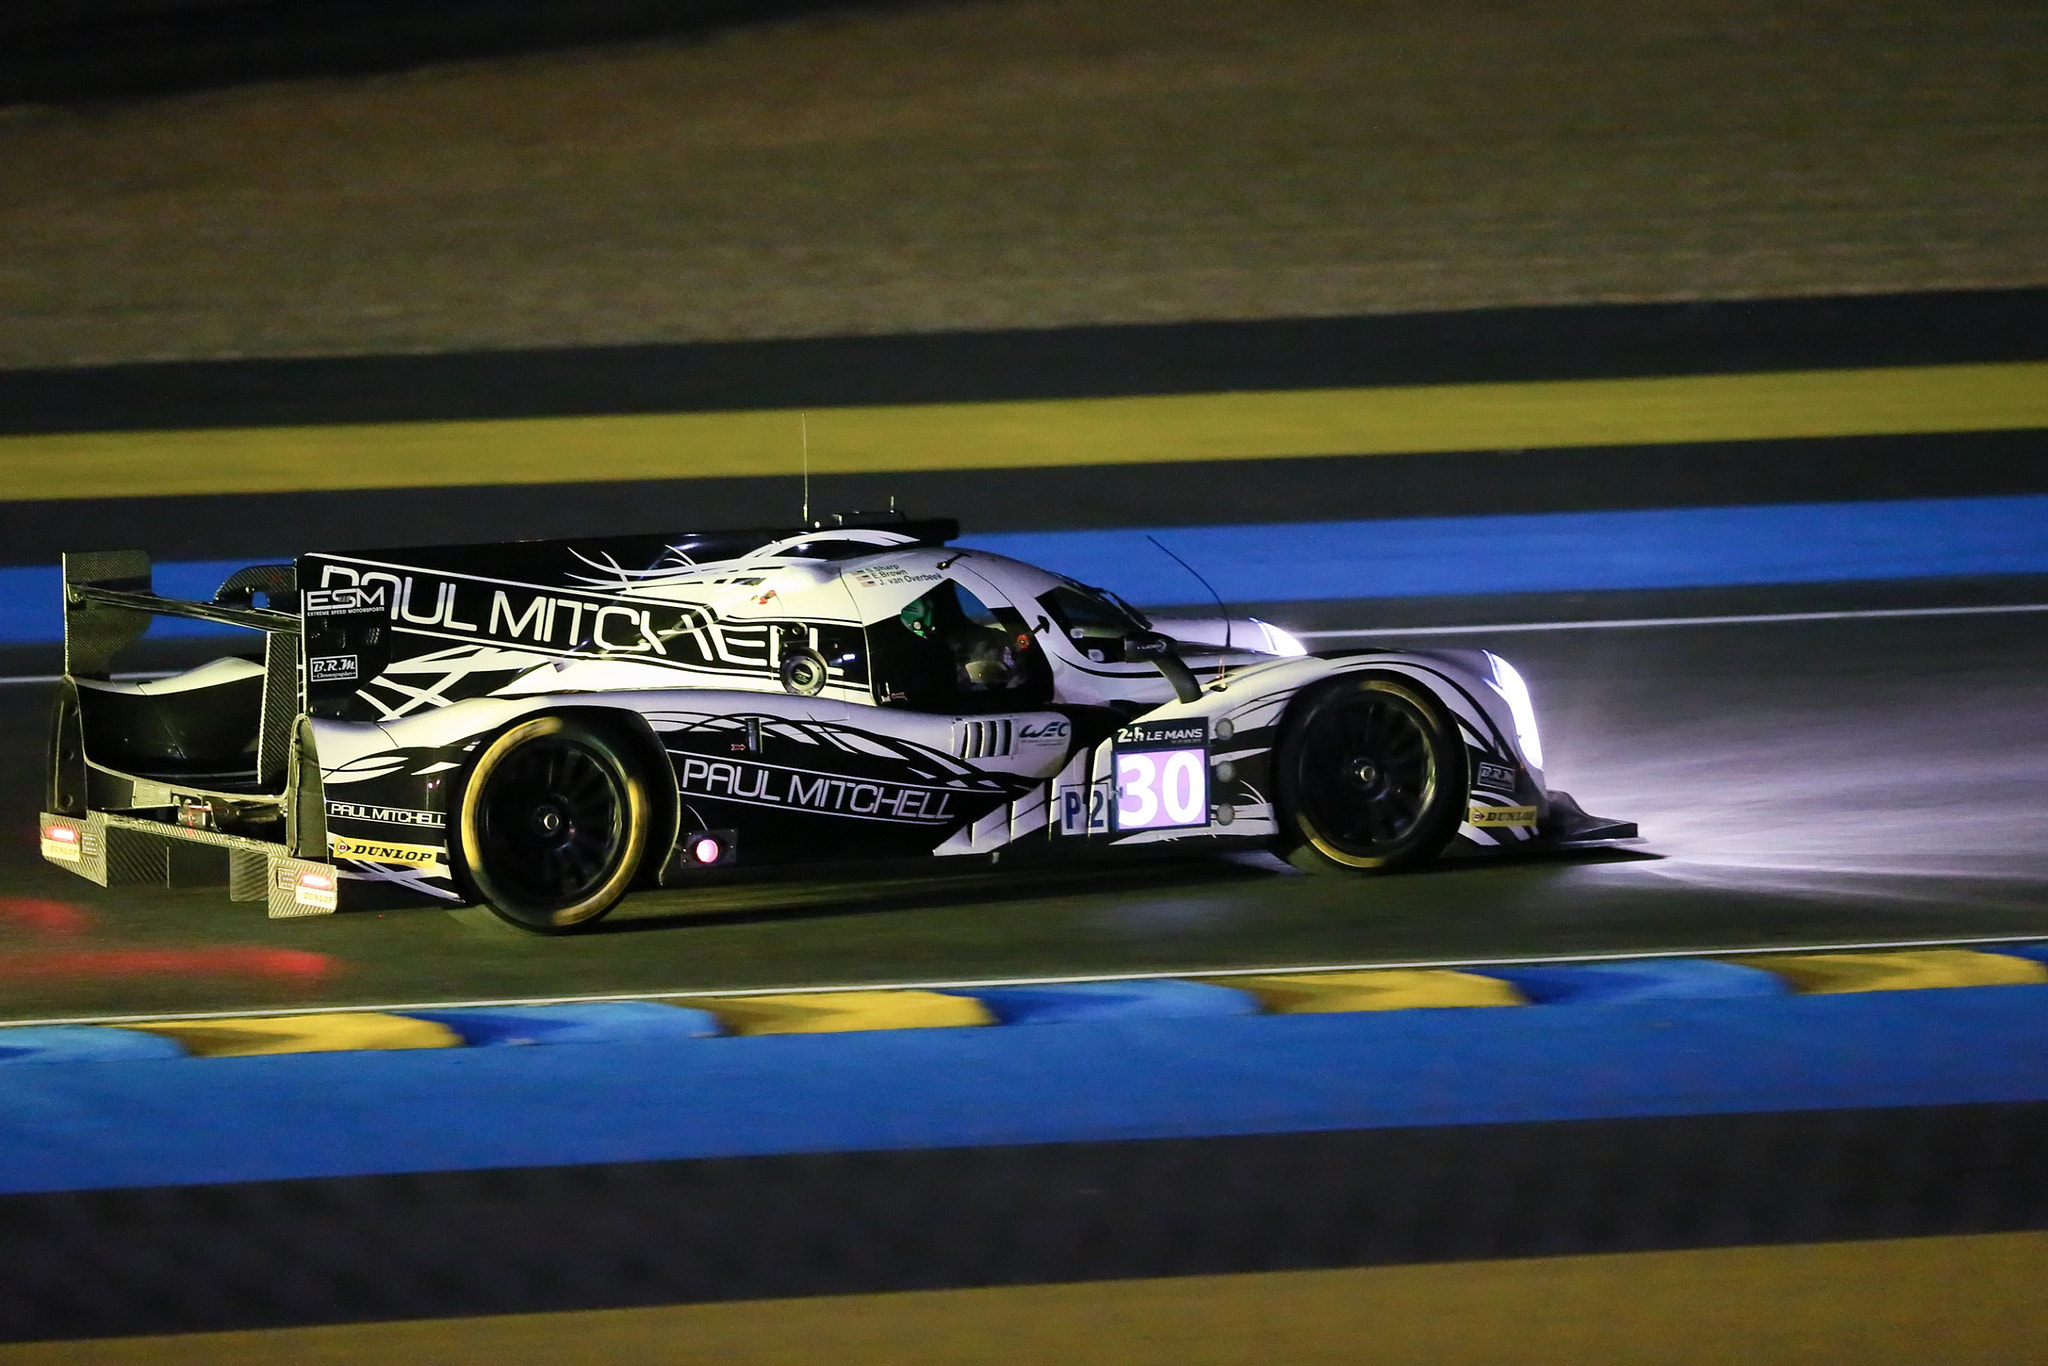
(982, 739)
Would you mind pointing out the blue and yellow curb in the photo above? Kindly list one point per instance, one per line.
(689, 1018)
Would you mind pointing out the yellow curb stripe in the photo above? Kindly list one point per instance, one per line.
(1296, 993)
(842, 1011)
(1898, 1303)
(1316, 993)
(1830, 973)
(334, 1033)
(1035, 434)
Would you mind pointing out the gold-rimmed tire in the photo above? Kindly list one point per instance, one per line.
(552, 824)
(1371, 777)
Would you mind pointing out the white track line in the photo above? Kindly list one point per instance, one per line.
(1643, 623)
(1196, 974)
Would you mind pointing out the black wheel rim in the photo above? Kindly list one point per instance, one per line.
(1368, 773)
(551, 822)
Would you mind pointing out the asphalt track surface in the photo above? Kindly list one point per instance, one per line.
(1861, 780)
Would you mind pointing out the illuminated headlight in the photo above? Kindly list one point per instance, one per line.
(1279, 642)
(1510, 686)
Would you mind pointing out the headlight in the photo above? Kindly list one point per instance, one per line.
(1279, 642)
(1509, 685)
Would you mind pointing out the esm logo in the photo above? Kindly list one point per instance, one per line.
(325, 602)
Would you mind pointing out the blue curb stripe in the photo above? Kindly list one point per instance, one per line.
(1556, 552)
(1093, 1002)
(31, 611)
(1660, 979)
(83, 1043)
(591, 1022)
(194, 1121)
(1161, 998)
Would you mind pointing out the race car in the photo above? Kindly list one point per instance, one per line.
(540, 726)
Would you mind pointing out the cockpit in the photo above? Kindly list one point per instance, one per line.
(948, 648)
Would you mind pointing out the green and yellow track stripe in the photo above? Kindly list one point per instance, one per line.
(1037, 434)
(1914, 1300)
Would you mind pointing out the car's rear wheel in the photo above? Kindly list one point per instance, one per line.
(1371, 776)
(553, 823)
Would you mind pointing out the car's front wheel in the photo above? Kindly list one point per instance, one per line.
(1371, 776)
(553, 823)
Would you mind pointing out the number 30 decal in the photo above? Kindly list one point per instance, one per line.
(1157, 789)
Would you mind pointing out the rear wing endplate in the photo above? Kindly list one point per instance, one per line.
(109, 598)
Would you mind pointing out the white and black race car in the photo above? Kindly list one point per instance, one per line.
(538, 726)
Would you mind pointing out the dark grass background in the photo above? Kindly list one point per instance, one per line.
(54, 52)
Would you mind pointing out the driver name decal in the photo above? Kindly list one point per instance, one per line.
(889, 576)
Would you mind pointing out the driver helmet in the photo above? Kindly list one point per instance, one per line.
(919, 619)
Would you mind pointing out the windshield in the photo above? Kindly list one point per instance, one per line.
(1096, 620)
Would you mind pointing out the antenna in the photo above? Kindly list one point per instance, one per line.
(803, 421)
(1221, 611)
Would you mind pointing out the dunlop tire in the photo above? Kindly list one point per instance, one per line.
(1313, 850)
(484, 866)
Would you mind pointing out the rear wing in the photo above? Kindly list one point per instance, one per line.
(109, 598)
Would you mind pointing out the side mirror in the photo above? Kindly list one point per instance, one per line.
(1166, 658)
(1148, 645)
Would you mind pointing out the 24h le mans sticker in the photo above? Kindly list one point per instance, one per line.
(1162, 775)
